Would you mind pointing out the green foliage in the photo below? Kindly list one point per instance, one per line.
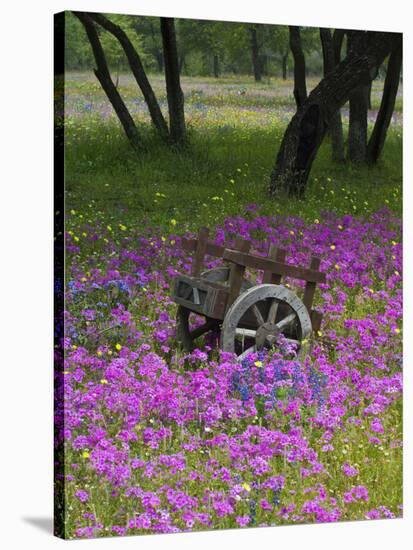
(79, 54)
(198, 41)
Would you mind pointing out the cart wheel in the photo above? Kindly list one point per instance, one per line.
(185, 335)
(259, 315)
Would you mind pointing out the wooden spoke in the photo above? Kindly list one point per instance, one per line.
(272, 313)
(246, 332)
(257, 315)
(281, 325)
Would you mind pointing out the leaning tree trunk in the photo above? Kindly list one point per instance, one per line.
(307, 128)
(391, 85)
(138, 71)
(335, 125)
(173, 84)
(256, 62)
(300, 88)
(358, 107)
(103, 75)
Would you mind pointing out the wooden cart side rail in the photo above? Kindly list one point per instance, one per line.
(212, 249)
(266, 264)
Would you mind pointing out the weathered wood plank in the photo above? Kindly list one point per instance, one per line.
(211, 248)
(237, 271)
(277, 254)
(243, 259)
(310, 287)
(316, 318)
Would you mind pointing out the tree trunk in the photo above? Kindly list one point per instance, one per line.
(256, 61)
(300, 89)
(358, 106)
(173, 84)
(284, 65)
(138, 71)
(369, 89)
(103, 75)
(307, 128)
(335, 125)
(338, 37)
(391, 85)
(357, 129)
(216, 65)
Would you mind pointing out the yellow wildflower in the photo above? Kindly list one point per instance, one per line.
(258, 363)
(86, 454)
(118, 347)
(246, 487)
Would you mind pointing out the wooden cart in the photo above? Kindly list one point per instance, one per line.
(250, 317)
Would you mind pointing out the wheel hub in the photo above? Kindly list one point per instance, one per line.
(267, 332)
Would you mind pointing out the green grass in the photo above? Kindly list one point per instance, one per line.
(217, 175)
(232, 148)
(233, 142)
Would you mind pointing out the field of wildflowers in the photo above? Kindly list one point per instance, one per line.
(150, 439)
